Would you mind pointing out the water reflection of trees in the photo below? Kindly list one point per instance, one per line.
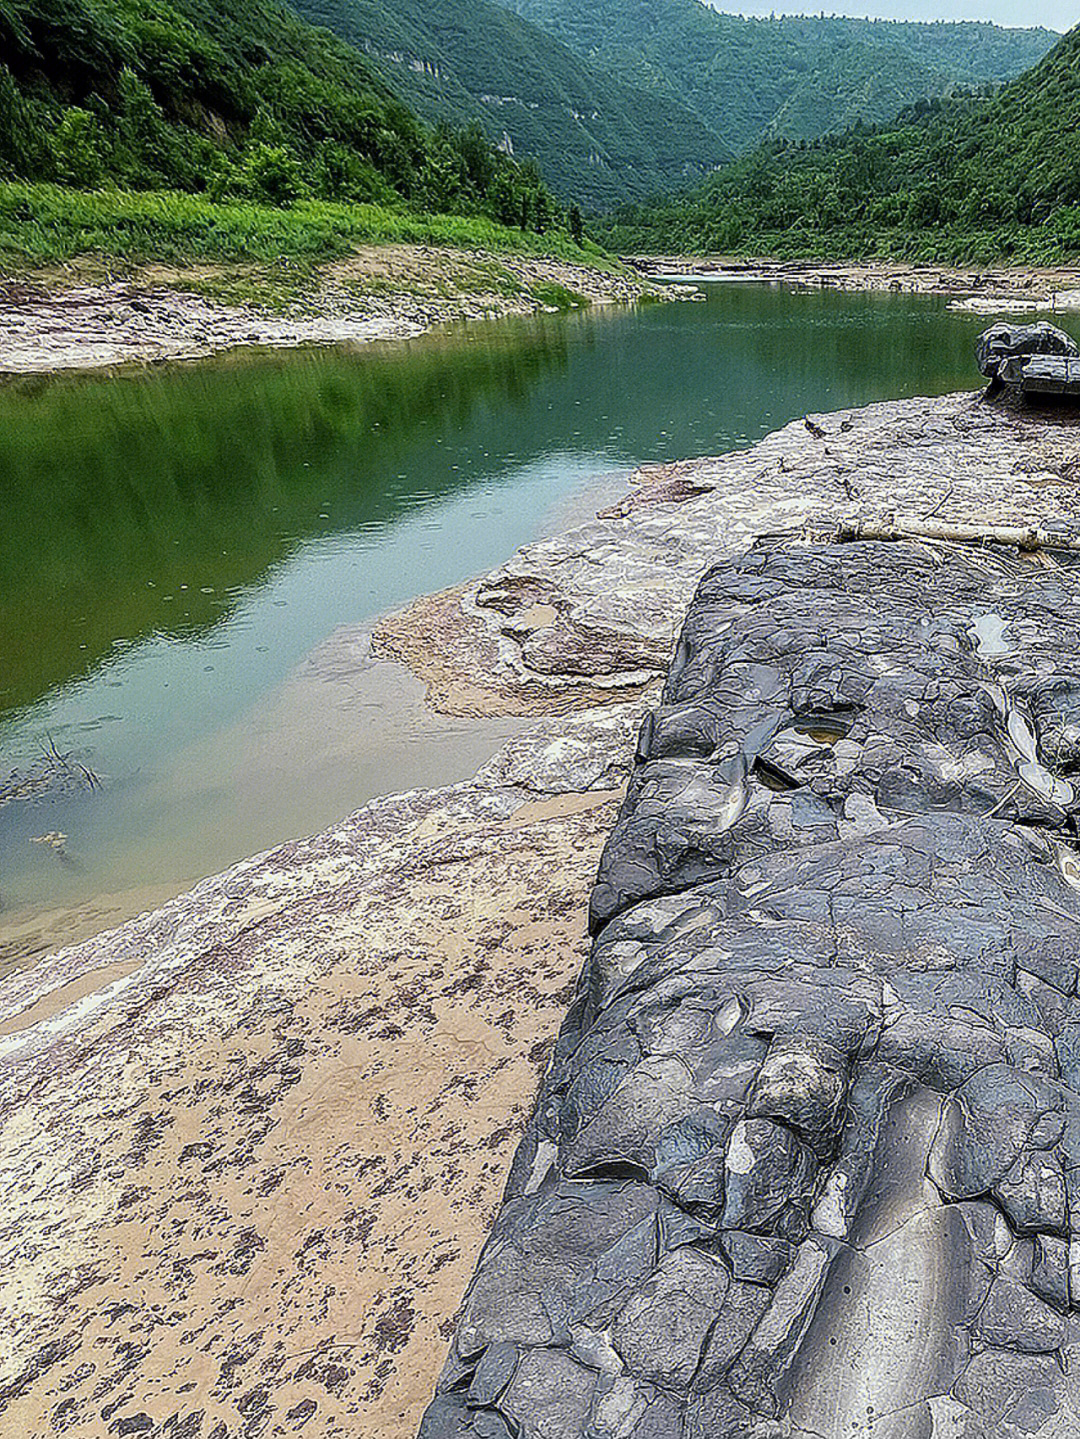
(118, 492)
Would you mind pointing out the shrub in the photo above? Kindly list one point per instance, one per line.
(78, 149)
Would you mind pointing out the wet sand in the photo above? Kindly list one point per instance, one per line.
(252, 1143)
(340, 729)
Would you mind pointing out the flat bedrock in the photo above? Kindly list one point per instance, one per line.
(593, 613)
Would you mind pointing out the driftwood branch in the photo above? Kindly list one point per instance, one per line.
(1023, 537)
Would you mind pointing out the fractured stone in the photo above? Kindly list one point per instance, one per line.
(767, 1169)
(827, 1024)
(802, 1083)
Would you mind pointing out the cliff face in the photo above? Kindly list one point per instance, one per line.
(807, 1160)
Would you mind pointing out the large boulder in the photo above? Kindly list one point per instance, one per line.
(1005, 342)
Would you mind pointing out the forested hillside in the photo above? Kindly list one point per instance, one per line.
(595, 138)
(974, 179)
(797, 77)
(242, 100)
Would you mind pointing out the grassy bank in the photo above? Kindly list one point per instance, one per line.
(42, 224)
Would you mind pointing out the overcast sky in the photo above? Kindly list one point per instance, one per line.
(1054, 14)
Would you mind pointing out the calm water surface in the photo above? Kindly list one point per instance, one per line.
(177, 546)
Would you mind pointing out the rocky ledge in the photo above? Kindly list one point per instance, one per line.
(252, 1142)
(592, 614)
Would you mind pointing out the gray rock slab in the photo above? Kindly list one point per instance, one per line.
(812, 1142)
(1003, 342)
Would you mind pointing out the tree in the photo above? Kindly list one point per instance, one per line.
(270, 175)
(142, 137)
(438, 186)
(16, 130)
(577, 225)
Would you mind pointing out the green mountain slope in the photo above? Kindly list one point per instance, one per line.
(796, 76)
(594, 137)
(244, 100)
(974, 179)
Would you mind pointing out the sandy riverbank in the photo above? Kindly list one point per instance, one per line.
(991, 290)
(87, 320)
(251, 1142)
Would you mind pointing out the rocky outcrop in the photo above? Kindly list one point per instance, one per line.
(594, 612)
(807, 1159)
(1003, 342)
(1035, 360)
(251, 1143)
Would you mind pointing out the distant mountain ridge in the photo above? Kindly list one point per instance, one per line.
(596, 138)
(976, 179)
(795, 76)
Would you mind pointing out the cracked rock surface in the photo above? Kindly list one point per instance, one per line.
(807, 1158)
(592, 613)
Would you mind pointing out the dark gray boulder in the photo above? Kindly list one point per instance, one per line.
(807, 1160)
(1005, 341)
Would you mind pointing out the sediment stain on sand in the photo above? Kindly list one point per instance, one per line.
(248, 1203)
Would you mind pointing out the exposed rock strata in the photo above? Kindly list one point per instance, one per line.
(807, 1159)
(595, 611)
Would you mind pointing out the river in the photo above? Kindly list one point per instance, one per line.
(189, 555)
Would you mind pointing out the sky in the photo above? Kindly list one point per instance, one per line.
(1054, 14)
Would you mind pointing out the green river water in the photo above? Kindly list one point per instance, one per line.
(181, 547)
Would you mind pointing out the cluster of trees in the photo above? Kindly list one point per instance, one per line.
(249, 104)
(987, 175)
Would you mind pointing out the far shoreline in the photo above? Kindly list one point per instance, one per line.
(987, 289)
(90, 318)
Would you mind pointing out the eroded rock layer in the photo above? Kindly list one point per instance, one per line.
(807, 1160)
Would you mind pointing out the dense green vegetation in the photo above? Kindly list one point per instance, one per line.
(243, 102)
(799, 77)
(984, 178)
(595, 138)
(181, 129)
